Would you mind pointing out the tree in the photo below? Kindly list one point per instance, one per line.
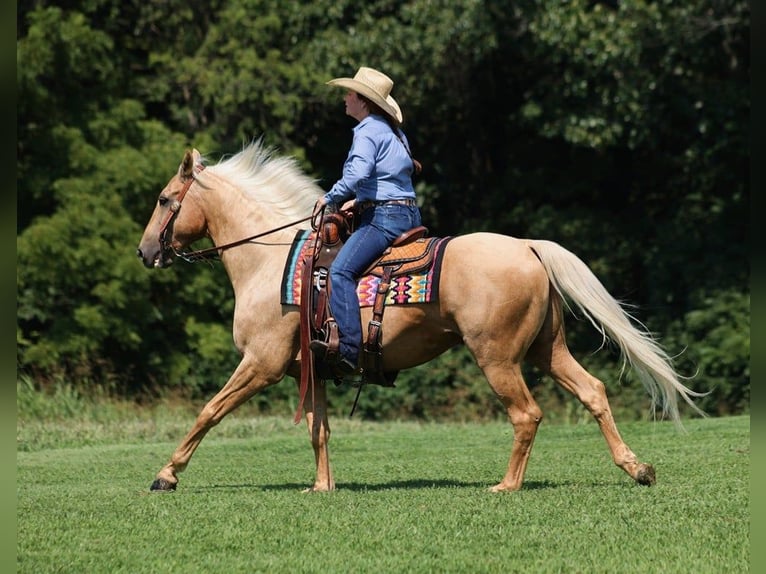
(616, 128)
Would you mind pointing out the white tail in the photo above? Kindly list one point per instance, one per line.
(575, 282)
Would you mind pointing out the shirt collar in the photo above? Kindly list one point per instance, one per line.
(370, 118)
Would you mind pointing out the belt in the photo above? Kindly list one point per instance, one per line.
(367, 204)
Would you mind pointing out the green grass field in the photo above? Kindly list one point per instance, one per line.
(411, 498)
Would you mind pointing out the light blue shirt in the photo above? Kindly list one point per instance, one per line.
(378, 167)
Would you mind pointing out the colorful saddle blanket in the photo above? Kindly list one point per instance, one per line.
(418, 287)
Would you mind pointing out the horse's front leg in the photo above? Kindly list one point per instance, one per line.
(315, 409)
(241, 386)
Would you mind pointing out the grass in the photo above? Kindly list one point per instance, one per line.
(411, 498)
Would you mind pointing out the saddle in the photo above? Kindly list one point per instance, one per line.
(411, 252)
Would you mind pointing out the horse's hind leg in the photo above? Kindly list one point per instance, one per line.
(591, 392)
(509, 386)
(549, 352)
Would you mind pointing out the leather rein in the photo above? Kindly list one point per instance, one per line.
(210, 253)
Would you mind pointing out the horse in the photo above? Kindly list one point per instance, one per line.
(252, 203)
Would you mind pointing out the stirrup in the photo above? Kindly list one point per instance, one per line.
(323, 350)
(327, 345)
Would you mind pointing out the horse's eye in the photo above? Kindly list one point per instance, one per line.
(163, 200)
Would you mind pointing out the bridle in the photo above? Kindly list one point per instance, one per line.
(210, 253)
(166, 228)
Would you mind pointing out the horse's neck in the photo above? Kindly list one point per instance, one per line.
(257, 267)
(232, 217)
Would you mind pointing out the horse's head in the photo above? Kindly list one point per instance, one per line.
(172, 228)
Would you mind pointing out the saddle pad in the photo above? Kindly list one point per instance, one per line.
(421, 287)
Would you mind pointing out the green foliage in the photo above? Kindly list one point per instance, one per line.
(613, 61)
(71, 286)
(619, 129)
(62, 402)
(720, 354)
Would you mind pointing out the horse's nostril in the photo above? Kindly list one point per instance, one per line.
(139, 253)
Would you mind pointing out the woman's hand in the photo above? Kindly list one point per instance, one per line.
(318, 207)
(348, 206)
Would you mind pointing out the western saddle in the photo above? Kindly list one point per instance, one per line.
(411, 252)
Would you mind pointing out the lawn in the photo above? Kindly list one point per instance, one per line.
(410, 498)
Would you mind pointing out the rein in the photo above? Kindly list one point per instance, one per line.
(210, 253)
(214, 252)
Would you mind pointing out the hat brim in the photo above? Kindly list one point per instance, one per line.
(389, 105)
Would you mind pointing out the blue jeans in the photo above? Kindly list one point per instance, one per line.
(379, 226)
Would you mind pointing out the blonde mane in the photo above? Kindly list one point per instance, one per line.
(268, 179)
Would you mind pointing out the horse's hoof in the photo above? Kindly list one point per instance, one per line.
(502, 487)
(162, 485)
(645, 475)
(316, 488)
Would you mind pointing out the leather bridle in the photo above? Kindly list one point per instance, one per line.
(166, 229)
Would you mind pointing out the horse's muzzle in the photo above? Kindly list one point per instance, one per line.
(158, 261)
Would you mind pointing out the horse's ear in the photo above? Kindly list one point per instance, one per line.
(197, 157)
(187, 165)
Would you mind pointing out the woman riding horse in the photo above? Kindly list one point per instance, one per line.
(377, 174)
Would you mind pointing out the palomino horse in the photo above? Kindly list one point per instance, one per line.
(252, 205)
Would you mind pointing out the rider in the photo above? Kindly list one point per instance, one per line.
(377, 180)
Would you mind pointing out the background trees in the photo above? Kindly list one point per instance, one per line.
(618, 128)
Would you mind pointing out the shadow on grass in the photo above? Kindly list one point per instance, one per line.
(425, 484)
(419, 484)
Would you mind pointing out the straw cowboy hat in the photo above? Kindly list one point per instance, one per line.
(374, 85)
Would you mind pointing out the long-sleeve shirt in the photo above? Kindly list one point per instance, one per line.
(378, 167)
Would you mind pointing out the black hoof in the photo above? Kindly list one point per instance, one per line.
(162, 485)
(646, 476)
